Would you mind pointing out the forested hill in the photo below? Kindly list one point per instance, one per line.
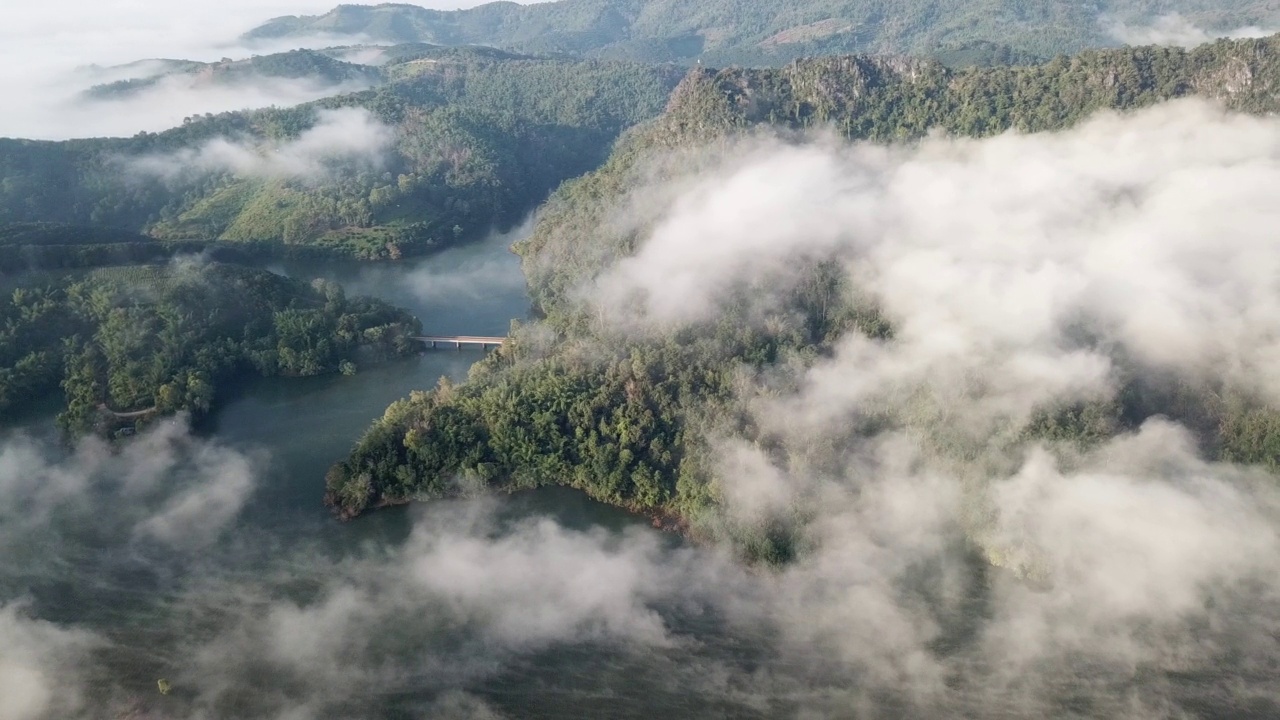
(764, 32)
(128, 344)
(628, 417)
(452, 142)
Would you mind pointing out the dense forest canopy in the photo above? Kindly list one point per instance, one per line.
(635, 416)
(767, 33)
(129, 343)
(453, 142)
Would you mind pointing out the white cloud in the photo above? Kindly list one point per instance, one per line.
(164, 486)
(171, 100)
(347, 137)
(197, 514)
(987, 256)
(467, 594)
(1175, 29)
(39, 667)
(1018, 272)
(42, 46)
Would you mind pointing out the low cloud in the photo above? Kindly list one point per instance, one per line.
(1175, 29)
(468, 593)
(991, 256)
(341, 139)
(489, 268)
(40, 666)
(1019, 273)
(45, 47)
(364, 55)
(171, 100)
(197, 514)
(165, 486)
(86, 519)
(260, 623)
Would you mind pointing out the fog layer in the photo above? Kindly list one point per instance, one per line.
(349, 137)
(1021, 275)
(1175, 29)
(46, 47)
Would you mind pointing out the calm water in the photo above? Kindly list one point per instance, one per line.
(522, 607)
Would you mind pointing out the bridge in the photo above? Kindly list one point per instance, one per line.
(459, 340)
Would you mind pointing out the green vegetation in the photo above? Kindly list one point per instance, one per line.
(982, 53)
(475, 138)
(51, 247)
(629, 419)
(751, 32)
(129, 343)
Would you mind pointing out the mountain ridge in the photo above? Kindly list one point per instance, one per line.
(751, 33)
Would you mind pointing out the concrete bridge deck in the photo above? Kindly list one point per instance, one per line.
(458, 341)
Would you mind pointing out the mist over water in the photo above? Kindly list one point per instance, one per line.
(474, 290)
(110, 583)
(538, 605)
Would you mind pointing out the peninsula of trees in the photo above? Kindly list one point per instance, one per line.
(126, 344)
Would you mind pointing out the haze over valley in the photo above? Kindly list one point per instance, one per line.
(858, 360)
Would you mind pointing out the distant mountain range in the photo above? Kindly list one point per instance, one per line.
(293, 65)
(768, 32)
(451, 135)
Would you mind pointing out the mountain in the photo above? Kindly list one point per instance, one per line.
(632, 418)
(453, 141)
(772, 32)
(318, 67)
